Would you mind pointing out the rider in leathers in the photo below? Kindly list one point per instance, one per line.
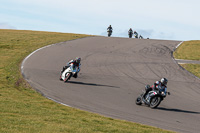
(140, 37)
(110, 28)
(136, 34)
(75, 63)
(130, 31)
(158, 85)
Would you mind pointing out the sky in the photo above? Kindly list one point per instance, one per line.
(154, 19)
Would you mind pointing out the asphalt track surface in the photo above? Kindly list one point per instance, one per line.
(114, 72)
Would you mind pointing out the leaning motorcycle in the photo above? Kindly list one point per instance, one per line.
(152, 99)
(69, 72)
(109, 32)
(135, 35)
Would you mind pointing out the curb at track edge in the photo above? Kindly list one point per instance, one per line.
(22, 70)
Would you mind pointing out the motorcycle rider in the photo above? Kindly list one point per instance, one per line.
(140, 37)
(130, 32)
(75, 63)
(158, 85)
(110, 29)
(135, 34)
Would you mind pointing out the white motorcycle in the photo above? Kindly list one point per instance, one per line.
(68, 72)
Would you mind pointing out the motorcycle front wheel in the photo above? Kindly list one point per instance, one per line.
(67, 77)
(155, 101)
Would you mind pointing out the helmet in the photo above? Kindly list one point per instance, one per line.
(164, 81)
(78, 59)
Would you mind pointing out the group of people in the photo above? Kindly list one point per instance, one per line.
(130, 32)
(160, 85)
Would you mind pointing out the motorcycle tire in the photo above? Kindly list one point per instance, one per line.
(67, 77)
(138, 100)
(109, 34)
(154, 102)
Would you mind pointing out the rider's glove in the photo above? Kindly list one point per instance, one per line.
(163, 94)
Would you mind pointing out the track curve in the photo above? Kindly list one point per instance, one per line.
(113, 73)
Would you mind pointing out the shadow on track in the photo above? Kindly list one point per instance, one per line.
(178, 110)
(92, 84)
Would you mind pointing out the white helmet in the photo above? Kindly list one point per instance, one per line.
(164, 81)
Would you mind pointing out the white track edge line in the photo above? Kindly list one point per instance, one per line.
(22, 71)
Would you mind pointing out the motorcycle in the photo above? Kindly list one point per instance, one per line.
(68, 72)
(130, 34)
(109, 32)
(140, 37)
(135, 35)
(152, 99)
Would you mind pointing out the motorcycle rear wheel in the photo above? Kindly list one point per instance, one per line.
(138, 101)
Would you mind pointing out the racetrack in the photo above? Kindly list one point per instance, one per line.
(113, 73)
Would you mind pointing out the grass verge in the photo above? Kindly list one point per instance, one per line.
(193, 68)
(23, 110)
(189, 50)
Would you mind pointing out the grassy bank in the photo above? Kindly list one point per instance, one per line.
(189, 50)
(23, 110)
(193, 68)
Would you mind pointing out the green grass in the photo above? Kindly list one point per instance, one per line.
(23, 110)
(189, 50)
(193, 68)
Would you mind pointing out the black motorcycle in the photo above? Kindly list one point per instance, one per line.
(130, 34)
(152, 99)
(109, 32)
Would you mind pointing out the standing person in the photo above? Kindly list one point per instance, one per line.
(130, 33)
(109, 30)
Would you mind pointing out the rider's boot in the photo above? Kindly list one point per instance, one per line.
(75, 75)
